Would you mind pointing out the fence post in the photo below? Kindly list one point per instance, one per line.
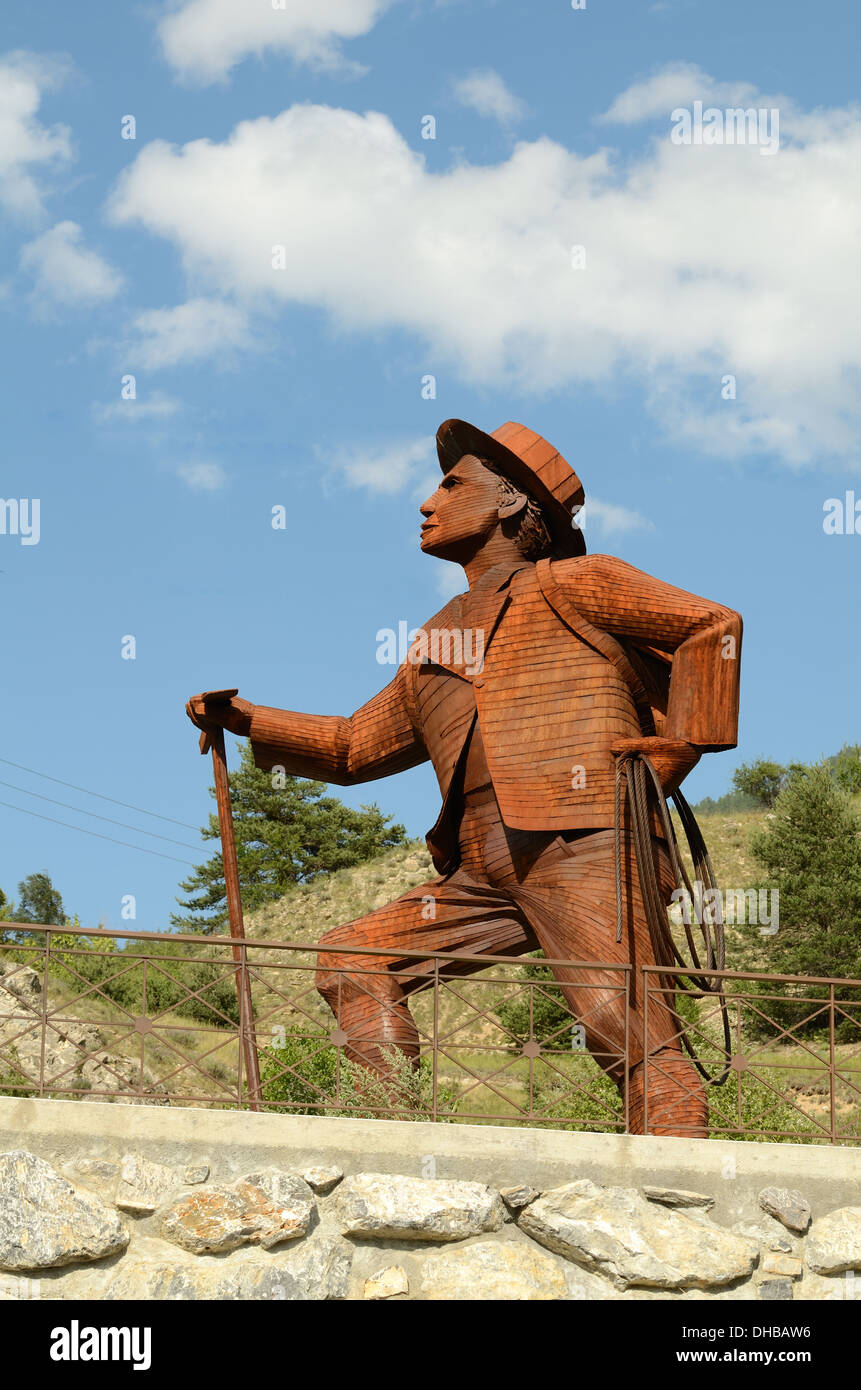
(214, 740)
(832, 1076)
(627, 1066)
(435, 1050)
(45, 978)
(645, 1051)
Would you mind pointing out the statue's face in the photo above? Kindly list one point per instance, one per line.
(463, 510)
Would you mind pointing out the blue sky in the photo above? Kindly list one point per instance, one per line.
(258, 387)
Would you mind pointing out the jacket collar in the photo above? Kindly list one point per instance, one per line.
(496, 578)
(470, 621)
(476, 616)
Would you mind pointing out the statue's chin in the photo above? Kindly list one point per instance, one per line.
(429, 548)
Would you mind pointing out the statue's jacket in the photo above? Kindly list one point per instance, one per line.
(549, 703)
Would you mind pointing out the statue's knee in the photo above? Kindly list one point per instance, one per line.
(368, 994)
(331, 977)
(340, 979)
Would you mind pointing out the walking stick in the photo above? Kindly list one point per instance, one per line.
(215, 742)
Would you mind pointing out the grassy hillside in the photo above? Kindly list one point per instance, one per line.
(309, 910)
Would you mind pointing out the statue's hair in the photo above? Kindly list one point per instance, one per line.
(533, 537)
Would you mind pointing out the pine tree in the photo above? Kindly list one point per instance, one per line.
(761, 780)
(287, 831)
(39, 901)
(811, 852)
(846, 767)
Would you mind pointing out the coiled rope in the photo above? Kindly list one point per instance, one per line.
(637, 778)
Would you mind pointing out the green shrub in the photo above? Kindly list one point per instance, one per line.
(302, 1075)
(200, 990)
(761, 780)
(14, 1082)
(597, 1106)
(761, 1110)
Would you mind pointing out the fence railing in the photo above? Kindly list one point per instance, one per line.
(147, 1018)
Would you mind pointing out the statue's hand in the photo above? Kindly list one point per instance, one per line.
(214, 710)
(672, 758)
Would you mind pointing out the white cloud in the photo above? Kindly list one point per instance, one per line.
(485, 92)
(188, 332)
(609, 519)
(65, 272)
(700, 261)
(155, 407)
(203, 39)
(677, 84)
(27, 147)
(202, 477)
(388, 469)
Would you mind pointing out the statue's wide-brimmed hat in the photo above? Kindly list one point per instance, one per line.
(531, 464)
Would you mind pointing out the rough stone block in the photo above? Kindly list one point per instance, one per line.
(616, 1232)
(385, 1206)
(45, 1221)
(834, 1242)
(787, 1206)
(387, 1283)
(264, 1208)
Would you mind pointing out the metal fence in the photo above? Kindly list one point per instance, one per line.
(153, 1019)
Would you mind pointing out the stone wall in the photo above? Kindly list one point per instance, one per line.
(106, 1201)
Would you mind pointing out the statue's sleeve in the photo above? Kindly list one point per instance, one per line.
(376, 741)
(703, 638)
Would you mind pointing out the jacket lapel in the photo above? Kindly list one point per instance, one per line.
(456, 640)
(480, 615)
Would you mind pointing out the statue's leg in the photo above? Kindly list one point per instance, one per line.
(368, 994)
(570, 896)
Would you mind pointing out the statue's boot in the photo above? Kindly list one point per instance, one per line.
(372, 1011)
(676, 1097)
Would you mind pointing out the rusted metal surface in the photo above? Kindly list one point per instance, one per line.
(214, 739)
(522, 692)
(474, 1068)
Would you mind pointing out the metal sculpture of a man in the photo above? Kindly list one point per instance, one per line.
(565, 663)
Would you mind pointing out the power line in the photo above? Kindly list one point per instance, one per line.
(82, 831)
(71, 785)
(109, 819)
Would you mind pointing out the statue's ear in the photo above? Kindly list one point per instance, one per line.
(512, 506)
